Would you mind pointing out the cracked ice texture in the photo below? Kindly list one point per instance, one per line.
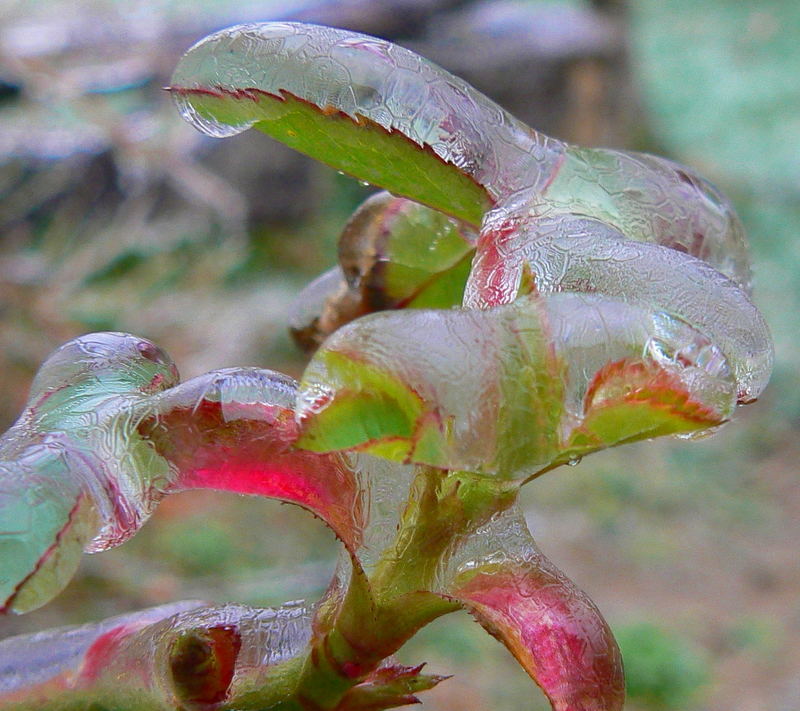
(526, 376)
(132, 657)
(107, 432)
(365, 76)
(599, 221)
(550, 625)
(504, 391)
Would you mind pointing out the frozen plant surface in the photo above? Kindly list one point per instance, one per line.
(538, 301)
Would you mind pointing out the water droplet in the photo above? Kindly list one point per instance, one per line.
(206, 125)
(700, 434)
(574, 461)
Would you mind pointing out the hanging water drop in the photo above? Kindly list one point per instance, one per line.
(204, 124)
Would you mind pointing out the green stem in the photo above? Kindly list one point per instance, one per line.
(444, 508)
(377, 616)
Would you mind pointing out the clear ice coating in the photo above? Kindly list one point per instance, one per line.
(634, 227)
(33, 659)
(509, 390)
(364, 76)
(393, 253)
(134, 654)
(107, 432)
(549, 624)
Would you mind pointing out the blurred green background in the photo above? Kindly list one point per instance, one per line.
(114, 214)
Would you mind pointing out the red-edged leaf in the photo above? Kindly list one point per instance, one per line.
(393, 254)
(374, 110)
(356, 145)
(240, 442)
(630, 400)
(46, 519)
(551, 627)
(634, 381)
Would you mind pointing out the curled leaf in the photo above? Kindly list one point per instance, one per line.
(56, 492)
(46, 664)
(258, 75)
(393, 254)
(183, 655)
(233, 430)
(552, 627)
(504, 391)
(572, 219)
(570, 253)
(106, 434)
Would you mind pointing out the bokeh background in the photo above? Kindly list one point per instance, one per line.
(114, 214)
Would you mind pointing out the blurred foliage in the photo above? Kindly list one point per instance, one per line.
(661, 669)
(755, 633)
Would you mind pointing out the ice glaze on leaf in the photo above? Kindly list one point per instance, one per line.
(185, 655)
(55, 493)
(365, 106)
(565, 252)
(552, 628)
(45, 664)
(393, 254)
(579, 219)
(105, 436)
(511, 390)
(397, 252)
(355, 144)
(233, 430)
(550, 625)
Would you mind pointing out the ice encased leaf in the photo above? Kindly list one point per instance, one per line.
(499, 391)
(137, 656)
(107, 434)
(551, 626)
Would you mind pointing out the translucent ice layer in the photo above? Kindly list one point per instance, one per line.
(549, 624)
(187, 655)
(511, 390)
(643, 235)
(364, 79)
(108, 432)
(393, 254)
(237, 78)
(549, 301)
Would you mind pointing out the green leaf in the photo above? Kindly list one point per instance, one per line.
(629, 401)
(354, 145)
(502, 391)
(454, 389)
(393, 253)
